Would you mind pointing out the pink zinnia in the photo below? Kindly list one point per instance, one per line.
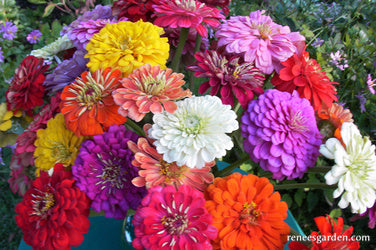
(260, 40)
(186, 13)
(173, 219)
(230, 76)
(146, 89)
(155, 171)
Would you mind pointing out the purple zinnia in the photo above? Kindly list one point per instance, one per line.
(34, 36)
(66, 72)
(9, 30)
(260, 40)
(281, 134)
(84, 31)
(103, 170)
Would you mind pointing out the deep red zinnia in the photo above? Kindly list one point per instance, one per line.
(54, 212)
(305, 75)
(26, 90)
(134, 10)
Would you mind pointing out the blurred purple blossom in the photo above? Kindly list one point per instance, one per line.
(1, 56)
(371, 83)
(339, 61)
(317, 43)
(9, 30)
(34, 36)
(362, 101)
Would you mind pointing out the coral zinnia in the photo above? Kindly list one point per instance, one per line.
(230, 76)
(196, 133)
(262, 41)
(56, 144)
(247, 213)
(54, 212)
(134, 10)
(332, 236)
(281, 134)
(186, 13)
(127, 46)
(155, 171)
(173, 219)
(146, 89)
(87, 103)
(26, 90)
(305, 75)
(103, 170)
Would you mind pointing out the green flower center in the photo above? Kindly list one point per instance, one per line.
(192, 124)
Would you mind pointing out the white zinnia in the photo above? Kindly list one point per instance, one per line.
(196, 132)
(355, 168)
(49, 51)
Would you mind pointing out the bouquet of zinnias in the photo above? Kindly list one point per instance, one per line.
(137, 102)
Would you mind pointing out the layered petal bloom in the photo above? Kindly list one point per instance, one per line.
(229, 76)
(328, 238)
(20, 176)
(87, 103)
(354, 170)
(186, 14)
(304, 75)
(131, 45)
(134, 10)
(281, 134)
(49, 51)
(170, 218)
(195, 133)
(247, 213)
(147, 89)
(66, 72)
(26, 90)
(259, 39)
(154, 171)
(54, 212)
(56, 144)
(34, 36)
(104, 171)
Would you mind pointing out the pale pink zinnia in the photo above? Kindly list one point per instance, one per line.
(154, 171)
(146, 89)
(186, 14)
(260, 40)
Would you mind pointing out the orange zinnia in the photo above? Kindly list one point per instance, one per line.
(247, 213)
(87, 103)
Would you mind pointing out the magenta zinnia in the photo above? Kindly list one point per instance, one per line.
(186, 14)
(229, 76)
(147, 89)
(173, 219)
(259, 39)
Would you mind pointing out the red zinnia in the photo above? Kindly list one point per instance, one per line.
(26, 90)
(134, 10)
(223, 4)
(54, 212)
(305, 75)
(87, 103)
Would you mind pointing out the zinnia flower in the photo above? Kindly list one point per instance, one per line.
(66, 72)
(134, 10)
(87, 103)
(330, 233)
(229, 76)
(154, 171)
(281, 134)
(247, 213)
(103, 170)
(304, 75)
(186, 14)
(21, 176)
(56, 144)
(54, 212)
(170, 218)
(49, 51)
(26, 90)
(331, 120)
(262, 41)
(9, 30)
(223, 4)
(34, 36)
(131, 45)
(195, 133)
(146, 89)
(354, 169)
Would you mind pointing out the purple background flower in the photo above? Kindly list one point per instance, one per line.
(34, 36)
(9, 30)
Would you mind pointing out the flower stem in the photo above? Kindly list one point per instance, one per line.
(197, 48)
(179, 49)
(304, 185)
(227, 170)
(318, 169)
(135, 127)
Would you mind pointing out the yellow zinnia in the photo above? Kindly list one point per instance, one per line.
(127, 46)
(5, 116)
(56, 144)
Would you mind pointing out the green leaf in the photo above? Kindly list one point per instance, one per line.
(287, 198)
(37, 1)
(56, 27)
(299, 196)
(49, 8)
(335, 213)
(312, 200)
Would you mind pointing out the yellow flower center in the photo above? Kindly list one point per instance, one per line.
(43, 203)
(171, 172)
(249, 214)
(62, 154)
